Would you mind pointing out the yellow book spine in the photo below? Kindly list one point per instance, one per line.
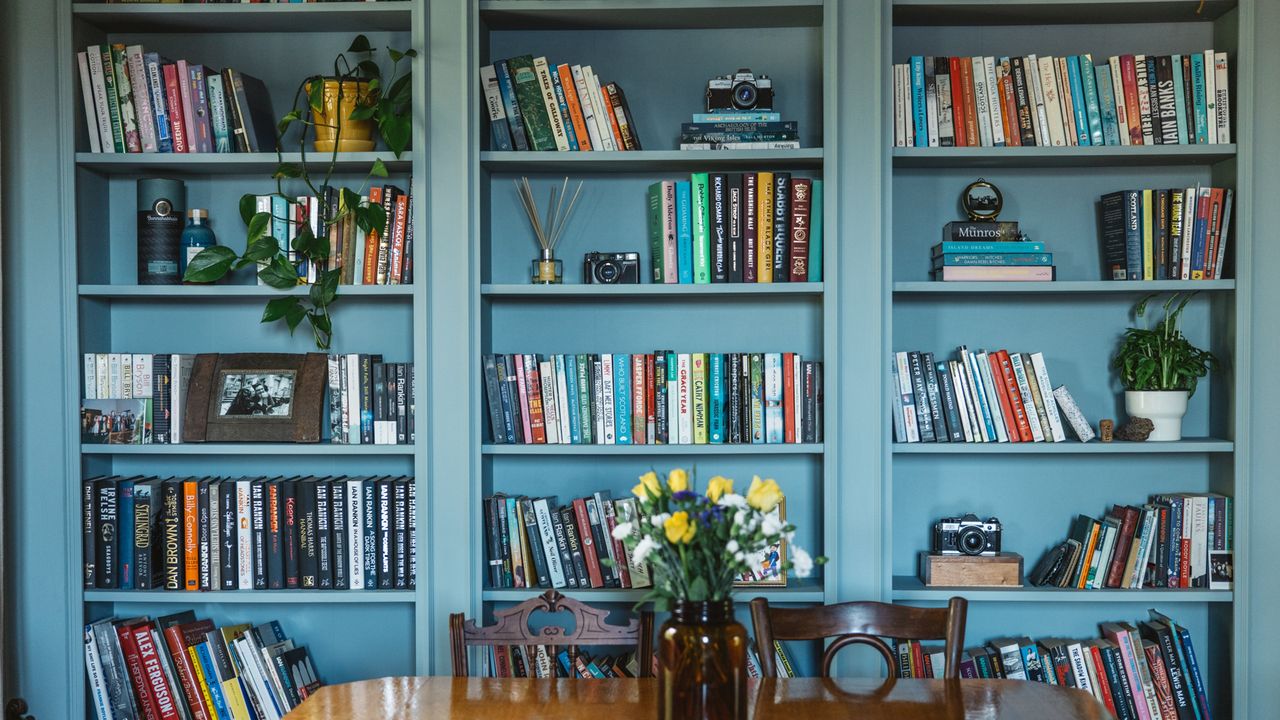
(198, 670)
(235, 699)
(1148, 247)
(764, 227)
(699, 373)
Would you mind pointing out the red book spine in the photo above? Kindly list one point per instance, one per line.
(1129, 75)
(1002, 392)
(1184, 569)
(1103, 685)
(522, 389)
(801, 192)
(186, 676)
(397, 239)
(1124, 544)
(970, 106)
(533, 385)
(651, 416)
(917, 659)
(133, 665)
(1009, 106)
(588, 543)
(1015, 397)
(957, 102)
(788, 398)
(502, 663)
(173, 96)
(370, 276)
(639, 416)
(161, 694)
(750, 226)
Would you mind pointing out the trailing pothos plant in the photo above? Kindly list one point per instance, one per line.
(387, 102)
(1161, 357)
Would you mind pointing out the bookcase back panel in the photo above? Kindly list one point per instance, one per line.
(1077, 339)
(664, 74)
(250, 465)
(1036, 498)
(337, 635)
(611, 215)
(113, 232)
(1099, 41)
(1059, 207)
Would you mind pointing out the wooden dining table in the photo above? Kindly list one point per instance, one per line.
(446, 698)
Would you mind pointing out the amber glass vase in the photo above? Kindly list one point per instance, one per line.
(702, 657)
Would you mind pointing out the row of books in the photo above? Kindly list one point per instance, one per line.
(739, 130)
(995, 251)
(1141, 671)
(755, 227)
(781, 661)
(557, 661)
(534, 105)
(218, 534)
(365, 258)
(176, 667)
(136, 101)
(370, 402)
(1175, 234)
(662, 398)
(980, 396)
(534, 542)
(1062, 101)
(1177, 540)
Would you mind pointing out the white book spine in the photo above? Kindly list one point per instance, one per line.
(177, 393)
(1210, 97)
(993, 101)
(100, 101)
(797, 395)
(1081, 426)
(492, 95)
(962, 403)
(141, 98)
(355, 534)
(1028, 400)
(93, 667)
(909, 420)
(591, 91)
(115, 376)
(1041, 371)
(103, 380)
(549, 101)
(1145, 546)
(773, 420)
(975, 396)
(126, 375)
(899, 108)
(684, 390)
(946, 113)
(1117, 89)
(1078, 668)
(1067, 103)
(244, 535)
(980, 100)
(542, 512)
(90, 376)
(1035, 100)
(1190, 200)
(603, 114)
(90, 110)
(141, 375)
(550, 403)
(1222, 102)
(993, 398)
(610, 422)
(1052, 101)
(587, 107)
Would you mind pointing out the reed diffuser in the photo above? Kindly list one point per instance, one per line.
(547, 270)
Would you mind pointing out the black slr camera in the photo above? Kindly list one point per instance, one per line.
(966, 535)
(740, 91)
(611, 268)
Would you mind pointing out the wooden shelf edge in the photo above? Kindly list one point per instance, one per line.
(909, 587)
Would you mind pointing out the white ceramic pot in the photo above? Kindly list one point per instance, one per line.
(1164, 408)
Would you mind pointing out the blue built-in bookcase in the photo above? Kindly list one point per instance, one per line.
(1037, 490)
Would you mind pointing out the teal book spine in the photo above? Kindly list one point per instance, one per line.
(700, 188)
(966, 247)
(280, 223)
(919, 112)
(218, 113)
(987, 259)
(1198, 97)
(1078, 101)
(568, 364)
(586, 420)
(815, 232)
(1179, 99)
(715, 398)
(1092, 106)
(684, 231)
(567, 121)
(1107, 105)
(211, 680)
(622, 399)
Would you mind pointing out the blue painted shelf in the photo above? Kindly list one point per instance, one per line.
(251, 596)
(1057, 157)
(205, 18)
(217, 293)
(648, 14)
(1117, 447)
(639, 160)
(1047, 12)
(791, 449)
(909, 587)
(1061, 287)
(527, 293)
(247, 449)
(797, 591)
(202, 164)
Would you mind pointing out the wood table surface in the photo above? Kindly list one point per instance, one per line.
(446, 698)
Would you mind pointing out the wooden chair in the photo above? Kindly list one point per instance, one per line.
(859, 623)
(511, 627)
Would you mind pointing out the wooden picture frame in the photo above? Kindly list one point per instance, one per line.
(772, 557)
(255, 397)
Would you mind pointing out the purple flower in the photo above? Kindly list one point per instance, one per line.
(711, 515)
(685, 496)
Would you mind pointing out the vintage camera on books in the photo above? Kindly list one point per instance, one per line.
(967, 535)
(740, 91)
(611, 268)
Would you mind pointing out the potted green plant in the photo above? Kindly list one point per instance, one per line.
(325, 108)
(1159, 369)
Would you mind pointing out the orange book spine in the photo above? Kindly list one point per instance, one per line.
(1015, 398)
(370, 276)
(397, 239)
(1009, 111)
(1002, 392)
(788, 398)
(533, 388)
(970, 107)
(1088, 556)
(575, 108)
(957, 102)
(190, 535)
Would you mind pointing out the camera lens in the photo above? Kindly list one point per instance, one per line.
(971, 541)
(744, 96)
(608, 271)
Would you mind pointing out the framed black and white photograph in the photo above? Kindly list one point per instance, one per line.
(247, 397)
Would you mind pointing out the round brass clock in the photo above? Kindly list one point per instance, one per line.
(982, 201)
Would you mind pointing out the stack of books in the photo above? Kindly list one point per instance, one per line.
(534, 105)
(176, 666)
(370, 402)
(1146, 669)
(991, 251)
(1177, 234)
(739, 130)
(755, 227)
(1062, 101)
(660, 398)
(136, 102)
(1177, 540)
(211, 534)
(980, 396)
(535, 542)
(557, 661)
(781, 661)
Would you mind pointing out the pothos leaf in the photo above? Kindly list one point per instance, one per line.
(279, 274)
(263, 247)
(371, 218)
(321, 321)
(315, 94)
(293, 317)
(258, 225)
(287, 170)
(287, 120)
(379, 168)
(323, 292)
(279, 307)
(360, 44)
(302, 239)
(248, 207)
(210, 264)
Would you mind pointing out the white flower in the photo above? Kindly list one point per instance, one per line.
(740, 518)
(622, 531)
(733, 500)
(801, 562)
(659, 520)
(642, 550)
(772, 525)
(740, 557)
(732, 547)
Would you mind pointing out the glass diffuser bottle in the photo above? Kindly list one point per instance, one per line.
(196, 236)
(547, 270)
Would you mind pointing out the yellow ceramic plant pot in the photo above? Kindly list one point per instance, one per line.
(355, 135)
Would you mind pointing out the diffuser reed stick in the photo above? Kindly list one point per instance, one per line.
(548, 228)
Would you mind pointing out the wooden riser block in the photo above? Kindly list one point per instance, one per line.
(1003, 570)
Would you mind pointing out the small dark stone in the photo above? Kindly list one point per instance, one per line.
(1135, 429)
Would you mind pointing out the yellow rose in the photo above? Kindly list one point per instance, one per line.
(649, 487)
(678, 528)
(718, 486)
(678, 480)
(763, 495)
